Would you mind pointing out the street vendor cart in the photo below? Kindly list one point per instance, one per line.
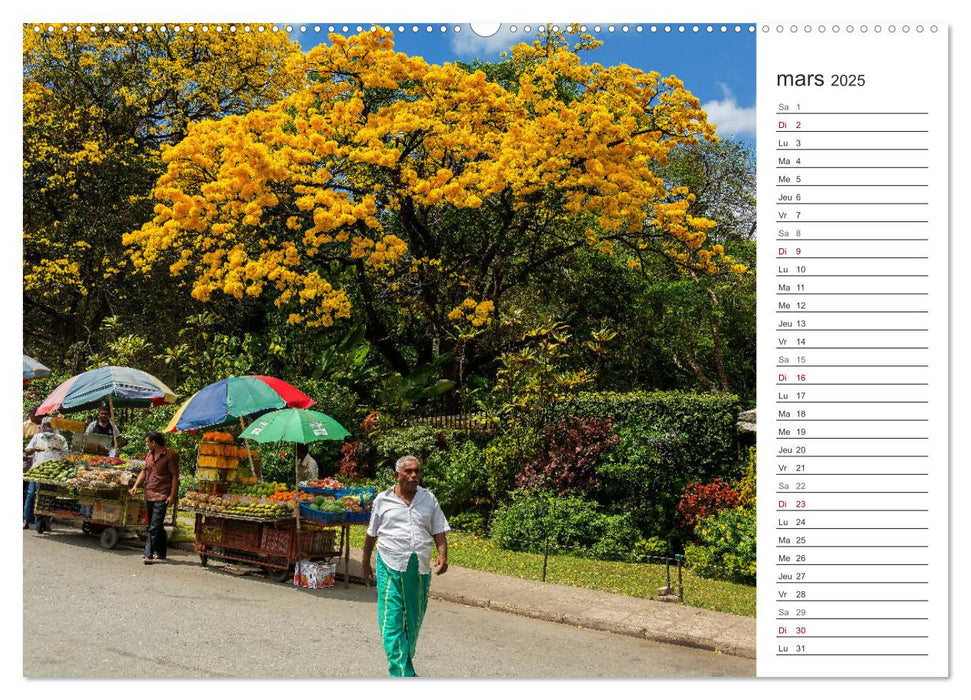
(258, 524)
(89, 492)
(264, 524)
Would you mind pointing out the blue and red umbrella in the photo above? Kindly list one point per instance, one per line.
(230, 399)
(123, 386)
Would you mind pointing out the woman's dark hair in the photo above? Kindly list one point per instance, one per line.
(301, 450)
(156, 437)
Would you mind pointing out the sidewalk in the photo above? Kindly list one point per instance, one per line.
(671, 623)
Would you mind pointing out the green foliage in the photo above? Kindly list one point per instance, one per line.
(474, 523)
(573, 525)
(459, 480)
(533, 516)
(651, 548)
(505, 456)
(418, 440)
(726, 547)
(398, 392)
(618, 539)
(704, 424)
(746, 486)
(187, 482)
(539, 375)
(666, 439)
(336, 400)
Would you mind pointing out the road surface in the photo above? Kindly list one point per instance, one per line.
(95, 613)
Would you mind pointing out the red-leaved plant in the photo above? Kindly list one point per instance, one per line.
(700, 501)
(568, 463)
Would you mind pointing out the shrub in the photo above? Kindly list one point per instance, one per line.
(474, 523)
(618, 538)
(726, 546)
(573, 449)
(418, 440)
(746, 486)
(532, 516)
(651, 548)
(704, 500)
(505, 456)
(458, 478)
(641, 477)
(704, 422)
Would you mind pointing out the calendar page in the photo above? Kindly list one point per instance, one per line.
(600, 349)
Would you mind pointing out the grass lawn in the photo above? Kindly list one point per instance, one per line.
(637, 580)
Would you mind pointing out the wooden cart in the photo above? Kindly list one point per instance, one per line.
(107, 513)
(275, 544)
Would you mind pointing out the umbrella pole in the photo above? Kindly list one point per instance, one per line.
(111, 416)
(296, 486)
(252, 468)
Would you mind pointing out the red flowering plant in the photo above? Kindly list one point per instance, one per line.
(700, 501)
(349, 465)
(569, 461)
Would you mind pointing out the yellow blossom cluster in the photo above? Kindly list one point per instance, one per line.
(359, 164)
(478, 313)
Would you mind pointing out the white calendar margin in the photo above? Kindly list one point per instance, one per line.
(908, 70)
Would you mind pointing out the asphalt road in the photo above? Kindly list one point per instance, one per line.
(95, 613)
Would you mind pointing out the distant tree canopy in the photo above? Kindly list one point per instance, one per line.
(427, 197)
(225, 201)
(98, 106)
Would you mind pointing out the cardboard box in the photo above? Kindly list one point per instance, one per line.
(314, 574)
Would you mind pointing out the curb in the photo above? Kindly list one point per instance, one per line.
(743, 651)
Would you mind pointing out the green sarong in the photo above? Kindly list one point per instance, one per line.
(402, 599)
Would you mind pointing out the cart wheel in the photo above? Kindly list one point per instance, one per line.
(86, 528)
(278, 575)
(203, 560)
(109, 538)
(42, 524)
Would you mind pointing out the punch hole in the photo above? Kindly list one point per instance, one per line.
(485, 29)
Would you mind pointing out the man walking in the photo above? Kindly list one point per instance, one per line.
(161, 477)
(405, 521)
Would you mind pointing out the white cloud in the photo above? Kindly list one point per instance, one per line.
(468, 44)
(729, 118)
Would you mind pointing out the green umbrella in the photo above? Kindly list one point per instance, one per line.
(294, 425)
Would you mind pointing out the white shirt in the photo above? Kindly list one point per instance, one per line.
(50, 445)
(402, 530)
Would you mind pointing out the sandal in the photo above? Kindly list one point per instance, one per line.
(146, 561)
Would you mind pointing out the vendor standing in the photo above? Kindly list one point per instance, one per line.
(306, 465)
(103, 425)
(46, 445)
(161, 478)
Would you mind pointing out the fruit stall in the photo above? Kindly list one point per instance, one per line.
(258, 524)
(240, 520)
(91, 492)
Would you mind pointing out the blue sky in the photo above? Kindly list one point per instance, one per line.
(718, 67)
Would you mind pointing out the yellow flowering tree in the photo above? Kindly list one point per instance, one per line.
(424, 197)
(99, 103)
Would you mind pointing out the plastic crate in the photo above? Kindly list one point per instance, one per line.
(363, 516)
(324, 492)
(319, 543)
(319, 517)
